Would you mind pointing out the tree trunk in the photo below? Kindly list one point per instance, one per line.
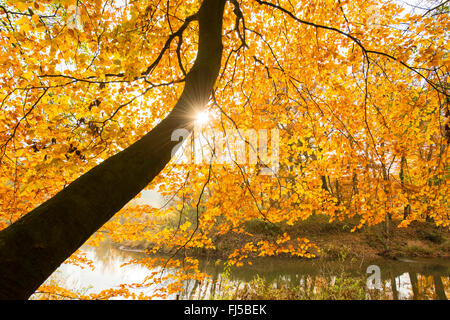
(33, 248)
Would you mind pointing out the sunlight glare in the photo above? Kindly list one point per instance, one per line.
(202, 118)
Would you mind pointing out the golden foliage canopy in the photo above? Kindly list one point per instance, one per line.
(358, 92)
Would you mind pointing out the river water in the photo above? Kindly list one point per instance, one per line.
(395, 279)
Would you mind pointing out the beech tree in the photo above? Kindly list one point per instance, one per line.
(352, 97)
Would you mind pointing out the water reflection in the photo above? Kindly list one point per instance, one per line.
(404, 279)
(109, 272)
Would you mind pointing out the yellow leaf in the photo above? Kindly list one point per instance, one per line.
(21, 5)
(24, 24)
(35, 18)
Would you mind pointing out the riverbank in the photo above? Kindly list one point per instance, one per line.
(336, 241)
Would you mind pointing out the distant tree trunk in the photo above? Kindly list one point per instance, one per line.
(387, 215)
(394, 288)
(447, 123)
(439, 288)
(403, 164)
(355, 184)
(414, 285)
(406, 211)
(338, 192)
(387, 224)
(32, 248)
(324, 183)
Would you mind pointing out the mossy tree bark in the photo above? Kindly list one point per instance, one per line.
(32, 248)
